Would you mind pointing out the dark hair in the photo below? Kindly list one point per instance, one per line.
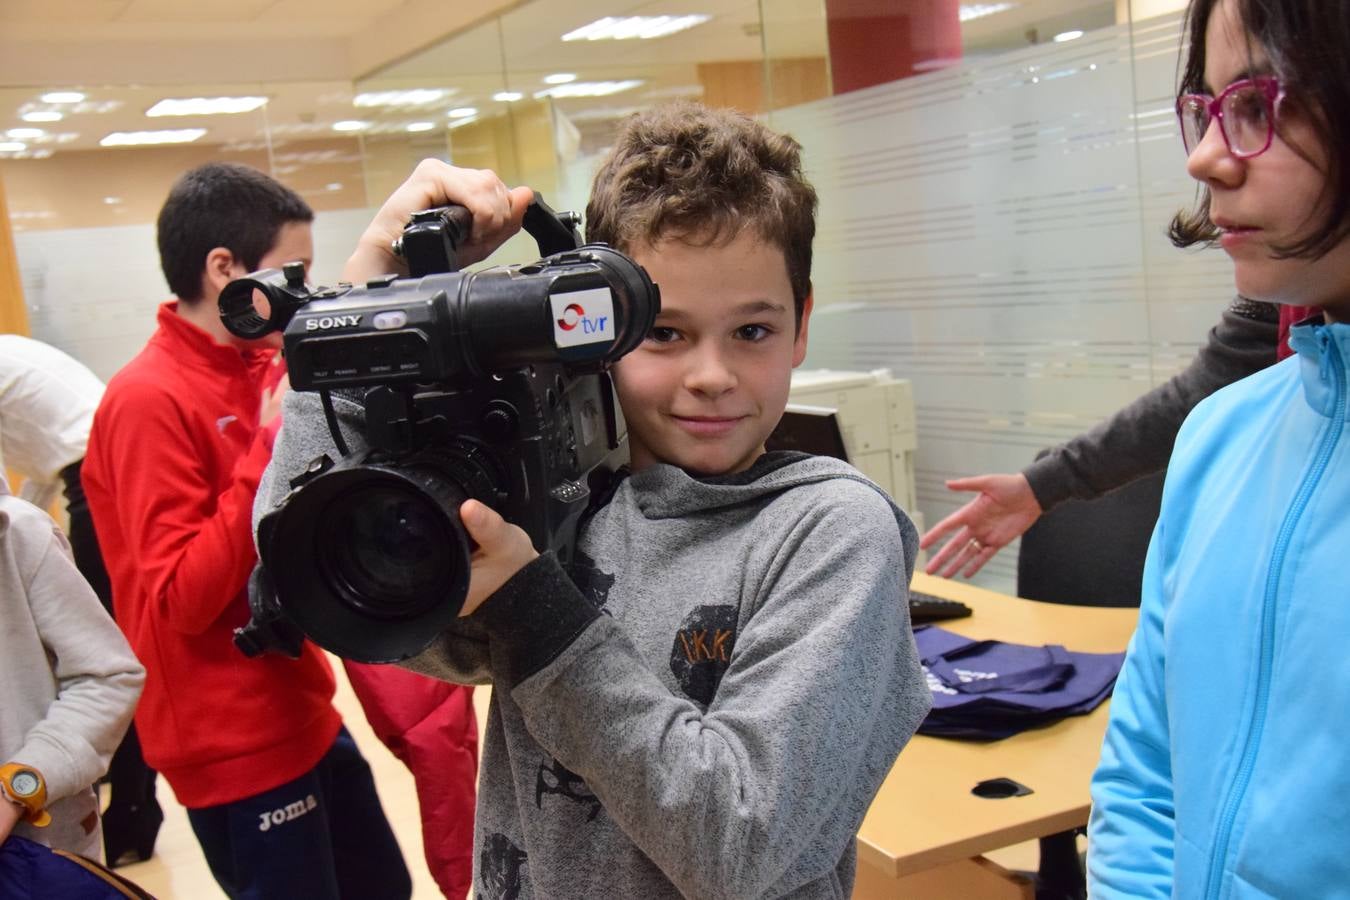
(686, 171)
(221, 205)
(1306, 42)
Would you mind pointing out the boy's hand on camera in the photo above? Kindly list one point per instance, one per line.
(497, 214)
(503, 550)
(271, 400)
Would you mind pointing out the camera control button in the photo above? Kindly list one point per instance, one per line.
(500, 421)
(388, 320)
(382, 282)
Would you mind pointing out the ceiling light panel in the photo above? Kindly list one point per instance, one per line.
(42, 115)
(413, 97)
(143, 138)
(204, 106)
(560, 78)
(623, 28)
(971, 11)
(62, 97)
(589, 89)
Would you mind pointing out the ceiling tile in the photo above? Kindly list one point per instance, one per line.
(200, 11)
(60, 12)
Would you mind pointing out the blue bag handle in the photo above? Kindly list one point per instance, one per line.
(1050, 673)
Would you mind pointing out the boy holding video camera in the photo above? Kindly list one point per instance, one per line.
(706, 702)
(278, 795)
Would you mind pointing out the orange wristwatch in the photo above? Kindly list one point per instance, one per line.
(25, 786)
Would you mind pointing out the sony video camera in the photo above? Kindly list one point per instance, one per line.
(489, 385)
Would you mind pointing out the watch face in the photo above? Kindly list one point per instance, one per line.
(24, 784)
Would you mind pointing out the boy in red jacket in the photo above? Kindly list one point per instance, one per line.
(278, 795)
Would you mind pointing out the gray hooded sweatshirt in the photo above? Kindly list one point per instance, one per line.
(71, 682)
(706, 703)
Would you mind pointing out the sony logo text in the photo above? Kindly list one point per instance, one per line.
(324, 323)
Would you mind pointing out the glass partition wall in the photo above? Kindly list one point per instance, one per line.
(995, 181)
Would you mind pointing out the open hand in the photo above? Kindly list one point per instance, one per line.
(1003, 509)
(503, 550)
(497, 214)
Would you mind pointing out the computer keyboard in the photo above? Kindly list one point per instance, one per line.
(927, 608)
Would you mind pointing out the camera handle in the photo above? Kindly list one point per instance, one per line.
(430, 243)
(553, 231)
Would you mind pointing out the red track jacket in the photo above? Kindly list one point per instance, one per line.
(174, 460)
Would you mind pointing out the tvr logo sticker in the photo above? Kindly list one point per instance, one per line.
(571, 316)
(582, 317)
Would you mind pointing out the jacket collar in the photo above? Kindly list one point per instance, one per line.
(1324, 357)
(219, 357)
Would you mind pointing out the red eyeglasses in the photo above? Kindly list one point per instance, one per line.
(1246, 111)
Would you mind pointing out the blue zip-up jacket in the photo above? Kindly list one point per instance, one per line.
(1226, 767)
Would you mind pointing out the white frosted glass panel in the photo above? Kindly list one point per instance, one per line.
(995, 232)
(93, 291)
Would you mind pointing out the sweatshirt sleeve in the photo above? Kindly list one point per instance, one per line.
(1137, 440)
(460, 654)
(1130, 832)
(757, 794)
(98, 679)
(302, 438)
(193, 543)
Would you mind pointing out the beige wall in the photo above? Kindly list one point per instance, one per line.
(740, 84)
(518, 146)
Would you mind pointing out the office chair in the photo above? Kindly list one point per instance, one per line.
(1088, 553)
(1091, 552)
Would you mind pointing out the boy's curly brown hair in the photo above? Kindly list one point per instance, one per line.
(701, 175)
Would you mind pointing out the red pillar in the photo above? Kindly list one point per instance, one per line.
(874, 41)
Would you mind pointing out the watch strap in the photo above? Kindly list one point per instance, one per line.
(35, 803)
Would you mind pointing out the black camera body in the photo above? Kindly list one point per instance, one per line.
(490, 385)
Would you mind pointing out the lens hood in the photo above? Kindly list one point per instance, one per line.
(371, 561)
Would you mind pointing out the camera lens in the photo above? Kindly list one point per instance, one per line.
(371, 561)
(385, 550)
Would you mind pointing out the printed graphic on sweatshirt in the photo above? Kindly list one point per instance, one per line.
(702, 651)
(501, 867)
(593, 583)
(555, 778)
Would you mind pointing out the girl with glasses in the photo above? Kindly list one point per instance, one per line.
(1224, 769)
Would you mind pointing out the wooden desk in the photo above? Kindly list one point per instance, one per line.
(925, 831)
